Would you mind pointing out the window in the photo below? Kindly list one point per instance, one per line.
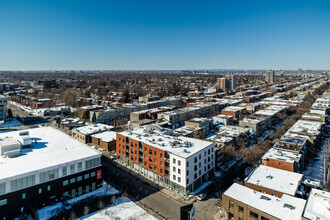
(187, 163)
(155, 168)
(179, 179)
(92, 174)
(86, 189)
(254, 215)
(280, 164)
(187, 181)
(79, 166)
(195, 176)
(2, 188)
(73, 193)
(23, 196)
(79, 178)
(179, 162)
(92, 163)
(155, 153)
(64, 171)
(3, 202)
(174, 160)
(231, 204)
(145, 149)
(79, 190)
(86, 176)
(93, 186)
(200, 172)
(200, 156)
(145, 163)
(40, 190)
(161, 171)
(73, 180)
(65, 194)
(200, 164)
(72, 169)
(187, 172)
(231, 216)
(174, 177)
(145, 156)
(264, 218)
(155, 161)
(65, 182)
(161, 155)
(240, 209)
(174, 169)
(150, 151)
(161, 163)
(195, 159)
(21, 183)
(179, 171)
(48, 188)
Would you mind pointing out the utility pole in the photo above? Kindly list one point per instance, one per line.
(325, 165)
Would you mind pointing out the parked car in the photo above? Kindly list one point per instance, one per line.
(201, 196)
(189, 197)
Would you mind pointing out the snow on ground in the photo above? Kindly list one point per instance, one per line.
(12, 123)
(315, 168)
(49, 211)
(123, 208)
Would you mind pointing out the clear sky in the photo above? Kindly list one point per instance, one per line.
(164, 34)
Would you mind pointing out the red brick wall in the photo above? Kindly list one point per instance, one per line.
(146, 161)
(279, 164)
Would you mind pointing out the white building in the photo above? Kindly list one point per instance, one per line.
(3, 103)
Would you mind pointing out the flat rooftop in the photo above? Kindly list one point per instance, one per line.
(276, 179)
(94, 128)
(106, 136)
(285, 208)
(181, 146)
(282, 155)
(318, 205)
(50, 147)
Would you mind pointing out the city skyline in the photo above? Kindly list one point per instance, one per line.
(147, 35)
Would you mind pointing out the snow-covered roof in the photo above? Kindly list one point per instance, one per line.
(181, 146)
(285, 208)
(276, 179)
(106, 136)
(94, 128)
(287, 156)
(318, 205)
(50, 147)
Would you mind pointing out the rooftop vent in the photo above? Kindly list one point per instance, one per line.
(264, 198)
(269, 177)
(288, 206)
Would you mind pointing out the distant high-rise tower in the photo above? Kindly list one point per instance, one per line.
(270, 76)
(233, 81)
(224, 83)
(300, 71)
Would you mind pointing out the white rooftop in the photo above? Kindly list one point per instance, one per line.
(276, 179)
(287, 156)
(318, 205)
(181, 146)
(50, 147)
(285, 208)
(106, 136)
(94, 128)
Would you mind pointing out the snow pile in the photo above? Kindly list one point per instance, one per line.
(123, 208)
(49, 211)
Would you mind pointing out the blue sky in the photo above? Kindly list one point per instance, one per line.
(164, 34)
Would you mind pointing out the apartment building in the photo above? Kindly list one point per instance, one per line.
(106, 140)
(241, 202)
(3, 103)
(273, 181)
(180, 163)
(42, 166)
(83, 134)
(317, 205)
(223, 119)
